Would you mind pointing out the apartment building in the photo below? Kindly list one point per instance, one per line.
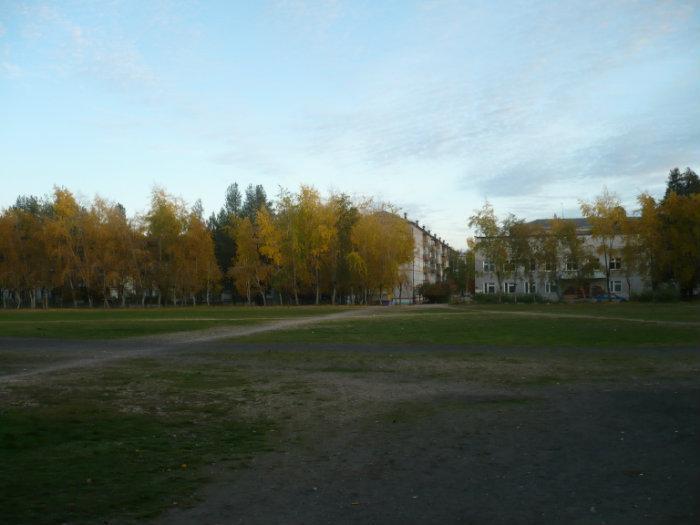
(431, 257)
(565, 279)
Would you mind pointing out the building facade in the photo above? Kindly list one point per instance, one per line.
(431, 258)
(565, 279)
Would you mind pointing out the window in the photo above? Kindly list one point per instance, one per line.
(509, 287)
(489, 287)
(509, 266)
(615, 286)
(532, 265)
(530, 288)
(550, 287)
(489, 267)
(615, 263)
(571, 265)
(549, 266)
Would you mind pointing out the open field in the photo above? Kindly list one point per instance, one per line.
(130, 322)
(649, 311)
(550, 326)
(364, 415)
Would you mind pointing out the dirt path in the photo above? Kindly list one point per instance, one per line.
(104, 352)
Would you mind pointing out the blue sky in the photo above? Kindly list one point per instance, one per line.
(433, 105)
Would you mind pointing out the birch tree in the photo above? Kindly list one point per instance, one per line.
(607, 218)
(249, 271)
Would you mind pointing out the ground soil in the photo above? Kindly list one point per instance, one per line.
(436, 451)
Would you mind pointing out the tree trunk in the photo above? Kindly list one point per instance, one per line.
(333, 296)
(294, 283)
(72, 292)
(104, 292)
(607, 270)
(318, 288)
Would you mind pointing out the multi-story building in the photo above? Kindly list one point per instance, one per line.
(565, 279)
(431, 257)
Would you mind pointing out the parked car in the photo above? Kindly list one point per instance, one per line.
(609, 297)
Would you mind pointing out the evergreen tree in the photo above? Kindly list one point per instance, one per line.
(682, 184)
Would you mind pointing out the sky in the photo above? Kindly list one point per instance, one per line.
(434, 106)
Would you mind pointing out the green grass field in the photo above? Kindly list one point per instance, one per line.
(121, 441)
(650, 311)
(137, 437)
(589, 325)
(132, 438)
(131, 322)
(585, 326)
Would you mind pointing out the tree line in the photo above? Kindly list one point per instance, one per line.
(57, 251)
(660, 241)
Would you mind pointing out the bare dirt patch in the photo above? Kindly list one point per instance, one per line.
(378, 447)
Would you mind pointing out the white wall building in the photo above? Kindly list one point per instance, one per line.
(431, 257)
(564, 281)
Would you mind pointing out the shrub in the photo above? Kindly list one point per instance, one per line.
(665, 293)
(508, 298)
(436, 292)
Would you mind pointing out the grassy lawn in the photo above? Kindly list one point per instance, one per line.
(117, 323)
(475, 326)
(121, 442)
(680, 311)
(131, 439)
(686, 312)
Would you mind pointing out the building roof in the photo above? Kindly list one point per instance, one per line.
(429, 233)
(580, 222)
(583, 227)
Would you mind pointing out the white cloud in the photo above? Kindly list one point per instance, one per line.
(10, 70)
(100, 50)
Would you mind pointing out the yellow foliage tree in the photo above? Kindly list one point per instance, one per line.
(382, 242)
(248, 270)
(608, 221)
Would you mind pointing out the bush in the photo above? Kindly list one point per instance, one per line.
(436, 292)
(665, 293)
(488, 298)
(509, 298)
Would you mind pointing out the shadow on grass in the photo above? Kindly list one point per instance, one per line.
(77, 463)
